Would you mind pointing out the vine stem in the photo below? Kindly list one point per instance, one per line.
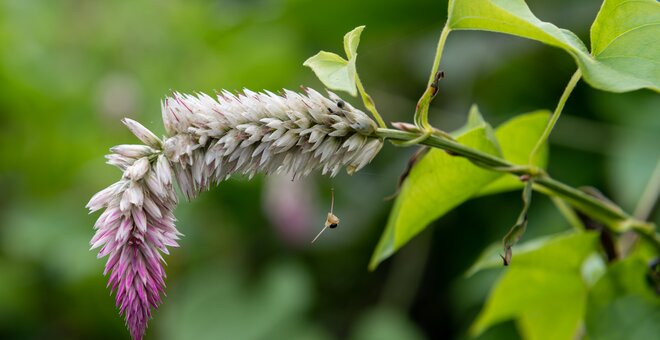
(611, 215)
(568, 213)
(650, 196)
(438, 53)
(422, 110)
(555, 115)
(369, 103)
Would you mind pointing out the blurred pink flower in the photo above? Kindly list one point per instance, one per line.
(289, 205)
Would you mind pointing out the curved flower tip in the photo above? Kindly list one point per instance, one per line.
(135, 228)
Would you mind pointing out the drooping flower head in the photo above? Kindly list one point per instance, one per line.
(207, 141)
(136, 227)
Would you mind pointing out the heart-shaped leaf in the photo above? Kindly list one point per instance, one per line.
(335, 72)
(625, 49)
(624, 42)
(351, 42)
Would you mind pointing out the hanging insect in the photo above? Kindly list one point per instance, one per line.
(331, 221)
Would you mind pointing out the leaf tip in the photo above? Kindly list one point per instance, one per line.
(352, 40)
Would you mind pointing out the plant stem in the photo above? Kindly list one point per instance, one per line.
(650, 196)
(438, 53)
(568, 213)
(422, 111)
(555, 115)
(611, 215)
(369, 103)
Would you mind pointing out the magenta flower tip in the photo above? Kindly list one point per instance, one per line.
(135, 228)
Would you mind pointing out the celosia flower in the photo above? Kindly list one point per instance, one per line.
(263, 132)
(208, 141)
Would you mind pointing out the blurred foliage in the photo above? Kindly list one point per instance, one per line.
(70, 69)
(621, 305)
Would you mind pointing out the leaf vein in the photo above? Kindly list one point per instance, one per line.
(629, 56)
(624, 33)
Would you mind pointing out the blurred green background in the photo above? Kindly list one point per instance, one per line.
(70, 70)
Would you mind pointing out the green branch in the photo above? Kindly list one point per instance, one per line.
(421, 118)
(555, 115)
(568, 213)
(438, 53)
(650, 196)
(611, 215)
(369, 103)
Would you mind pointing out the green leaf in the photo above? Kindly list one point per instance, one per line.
(436, 184)
(476, 120)
(490, 257)
(335, 72)
(625, 54)
(622, 306)
(624, 39)
(542, 290)
(351, 42)
(517, 138)
(511, 17)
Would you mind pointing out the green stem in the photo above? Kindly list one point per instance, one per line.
(422, 110)
(369, 103)
(438, 53)
(555, 115)
(650, 196)
(611, 215)
(568, 213)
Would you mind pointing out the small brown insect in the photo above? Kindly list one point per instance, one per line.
(331, 221)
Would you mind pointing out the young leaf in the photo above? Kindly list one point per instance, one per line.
(542, 290)
(436, 184)
(621, 305)
(351, 42)
(624, 54)
(335, 72)
(516, 138)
